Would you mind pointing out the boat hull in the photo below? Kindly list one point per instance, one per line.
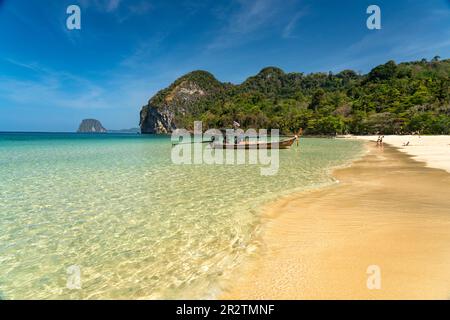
(284, 144)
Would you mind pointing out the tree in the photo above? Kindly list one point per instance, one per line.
(436, 59)
(317, 99)
(383, 72)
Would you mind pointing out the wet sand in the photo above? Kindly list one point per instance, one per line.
(388, 210)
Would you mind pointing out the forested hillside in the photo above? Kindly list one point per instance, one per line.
(391, 98)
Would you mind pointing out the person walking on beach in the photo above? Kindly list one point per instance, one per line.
(380, 141)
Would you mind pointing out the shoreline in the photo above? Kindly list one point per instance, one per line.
(385, 211)
(433, 150)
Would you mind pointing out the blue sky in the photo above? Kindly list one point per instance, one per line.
(51, 78)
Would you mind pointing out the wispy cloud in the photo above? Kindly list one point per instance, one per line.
(405, 39)
(399, 41)
(101, 5)
(112, 5)
(250, 16)
(29, 66)
(63, 90)
(121, 10)
(144, 51)
(287, 31)
(248, 20)
(135, 9)
(56, 88)
(141, 7)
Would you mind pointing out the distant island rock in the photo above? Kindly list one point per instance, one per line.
(91, 126)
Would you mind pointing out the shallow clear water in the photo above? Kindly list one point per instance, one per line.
(135, 224)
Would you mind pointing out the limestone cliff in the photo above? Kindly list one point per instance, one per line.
(174, 106)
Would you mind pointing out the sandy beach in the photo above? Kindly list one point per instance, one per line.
(433, 150)
(388, 211)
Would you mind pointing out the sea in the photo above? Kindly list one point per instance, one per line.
(111, 216)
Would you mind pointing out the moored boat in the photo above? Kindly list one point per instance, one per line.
(283, 144)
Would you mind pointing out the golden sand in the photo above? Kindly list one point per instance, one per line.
(388, 210)
(433, 150)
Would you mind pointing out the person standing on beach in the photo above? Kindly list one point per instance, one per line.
(380, 141)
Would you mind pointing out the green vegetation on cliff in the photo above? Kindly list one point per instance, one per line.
(392, 98)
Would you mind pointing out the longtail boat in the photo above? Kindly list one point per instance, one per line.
(282, 144)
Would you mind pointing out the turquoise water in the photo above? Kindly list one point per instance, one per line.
(136, 225)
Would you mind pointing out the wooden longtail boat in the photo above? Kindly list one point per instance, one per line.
(282, 144)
